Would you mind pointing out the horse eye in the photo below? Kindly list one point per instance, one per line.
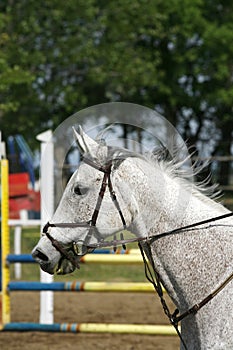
(80, 190)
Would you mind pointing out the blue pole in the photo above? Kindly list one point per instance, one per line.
(30, 327)
(43, 286)
(27, 258)
(20, 258)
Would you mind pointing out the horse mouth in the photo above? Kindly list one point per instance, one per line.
(60, 265)
(65, 266)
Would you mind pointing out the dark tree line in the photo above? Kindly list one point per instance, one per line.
(176, 56)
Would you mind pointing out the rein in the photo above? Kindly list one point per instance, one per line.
(144, 244)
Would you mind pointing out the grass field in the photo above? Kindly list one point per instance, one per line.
(92, 272)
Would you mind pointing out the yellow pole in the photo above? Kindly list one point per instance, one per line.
(112, 259)
(126, 328)
(118, 287)
(5, 244)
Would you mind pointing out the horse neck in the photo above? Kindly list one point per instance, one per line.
(166, 203)
(191, 264)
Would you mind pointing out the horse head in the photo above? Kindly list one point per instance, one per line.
(94, 205)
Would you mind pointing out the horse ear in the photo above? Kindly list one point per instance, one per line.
(89, 146)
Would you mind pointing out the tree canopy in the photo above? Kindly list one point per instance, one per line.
(175, 56)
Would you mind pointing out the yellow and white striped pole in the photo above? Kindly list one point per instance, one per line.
(5, 244)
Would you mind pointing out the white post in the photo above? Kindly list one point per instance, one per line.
(23, 214)
(47, 208)
(17, 250)
(2, 147)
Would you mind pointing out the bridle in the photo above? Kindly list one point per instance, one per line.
(91, 224)
(144, 244)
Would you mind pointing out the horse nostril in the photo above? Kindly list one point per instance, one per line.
(39, 255)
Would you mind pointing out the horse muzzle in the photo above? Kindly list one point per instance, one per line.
(51, 260)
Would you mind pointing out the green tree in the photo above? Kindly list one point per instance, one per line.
(13, 76)
(48, 46)
(176, 56)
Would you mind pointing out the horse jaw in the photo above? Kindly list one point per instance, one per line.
(55, 264)
(89, 146)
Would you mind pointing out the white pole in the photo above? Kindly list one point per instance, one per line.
(17, 241)
(2, 148)
(47, 208)
(17, 250)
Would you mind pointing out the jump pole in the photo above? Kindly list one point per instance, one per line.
(163, 330)
(107, 259)
(76, 286)
(112, 259)
(5, 245)
(47, 208)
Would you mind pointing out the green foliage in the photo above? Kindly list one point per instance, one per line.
(58, 57)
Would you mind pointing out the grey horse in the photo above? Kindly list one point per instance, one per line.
(153, 198)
